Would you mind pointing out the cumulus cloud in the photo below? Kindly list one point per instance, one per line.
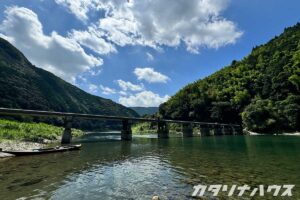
(92, 88)
(107, 90)
(193, 23)
(149, 75)
(78, 8)
(60, 55)
(126, 85)
(93, 40)
(143, 99)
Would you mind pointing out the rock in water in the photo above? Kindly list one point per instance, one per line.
(5, 155)
(155, 198)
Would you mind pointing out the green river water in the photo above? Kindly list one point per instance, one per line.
(106, 168)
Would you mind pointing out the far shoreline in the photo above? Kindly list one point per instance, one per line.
(247, 132)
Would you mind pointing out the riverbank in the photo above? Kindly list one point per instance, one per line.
(17, 145)
(20, 145)
(145, 128)
(247, 132)
(16, 135)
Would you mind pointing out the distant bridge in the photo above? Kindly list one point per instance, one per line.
(205, 128)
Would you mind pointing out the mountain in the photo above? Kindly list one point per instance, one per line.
(145, 110)
(262, 91)
(23, 85)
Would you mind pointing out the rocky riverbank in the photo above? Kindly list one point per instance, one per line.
(247, 132)
(19, 145)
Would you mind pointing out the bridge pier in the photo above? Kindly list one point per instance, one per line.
(187, 130)
(204, 130)
(67, 134)
(233, 130)
(227, 130)
(162, 129)
(238, 130)
(218, 130)
(126, 133)
(212, 130)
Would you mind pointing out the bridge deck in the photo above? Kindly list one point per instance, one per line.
(9, 111)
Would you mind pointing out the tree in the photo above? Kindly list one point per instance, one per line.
(259, 116)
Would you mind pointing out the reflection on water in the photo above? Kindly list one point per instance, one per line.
(111, 169)
(98, 137)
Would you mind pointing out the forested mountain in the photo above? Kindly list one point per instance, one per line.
(262, 91)
(145, 110)
(23, 85)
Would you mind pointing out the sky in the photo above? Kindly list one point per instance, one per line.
(140, 52)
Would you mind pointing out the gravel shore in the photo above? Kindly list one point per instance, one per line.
(19, 145)
(16, 146)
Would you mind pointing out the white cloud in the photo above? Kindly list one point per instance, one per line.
(92, 88)
(194, 23)
(126, 85)
(93, 40)
(149, 56)
(123, 93)
(143, 99)
(79, 8)
(149, 75)
(60, 55)
(107, 90)
(95, 71)
(81, 78)
(6, 37)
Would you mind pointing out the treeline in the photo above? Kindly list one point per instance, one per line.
(262, 91)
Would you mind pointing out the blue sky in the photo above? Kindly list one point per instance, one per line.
(139, 53)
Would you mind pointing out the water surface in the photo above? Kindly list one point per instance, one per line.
(107, 168)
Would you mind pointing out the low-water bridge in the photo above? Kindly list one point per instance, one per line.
(205, 128)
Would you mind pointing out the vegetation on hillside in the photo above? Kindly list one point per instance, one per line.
(262, 91)
(145, 110)
(33, 132)
(25, 86)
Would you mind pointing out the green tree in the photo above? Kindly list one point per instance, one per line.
(259, 116)
(259, 90)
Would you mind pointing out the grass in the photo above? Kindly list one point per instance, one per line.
(34, 132)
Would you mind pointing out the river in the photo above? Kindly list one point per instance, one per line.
(106, 168)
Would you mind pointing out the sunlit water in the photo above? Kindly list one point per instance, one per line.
(107, 168)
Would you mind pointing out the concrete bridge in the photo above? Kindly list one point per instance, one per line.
(205, 128)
